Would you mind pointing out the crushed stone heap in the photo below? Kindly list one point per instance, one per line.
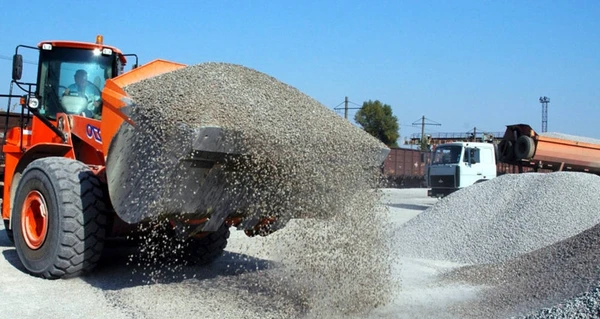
(505, 217)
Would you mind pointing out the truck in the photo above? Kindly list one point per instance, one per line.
(460, 164)
(550, 152)
(72, 179)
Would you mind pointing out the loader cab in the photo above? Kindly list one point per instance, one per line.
(71, 76)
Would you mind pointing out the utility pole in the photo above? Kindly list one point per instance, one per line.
(423, 129)
(475, 134)
(346, 108)
(544, 100)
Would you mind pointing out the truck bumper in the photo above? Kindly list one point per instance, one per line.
(440, 192)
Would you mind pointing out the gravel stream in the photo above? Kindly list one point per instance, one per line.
(303, 161)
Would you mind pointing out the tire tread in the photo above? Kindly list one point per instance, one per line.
(84, 216)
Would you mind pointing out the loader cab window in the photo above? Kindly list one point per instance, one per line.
(449, 154)
(71, 81)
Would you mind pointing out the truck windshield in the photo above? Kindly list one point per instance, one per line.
(71, 81)
(449, 154)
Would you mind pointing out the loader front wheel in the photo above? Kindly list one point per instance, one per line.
(204, 250)
(59, 218)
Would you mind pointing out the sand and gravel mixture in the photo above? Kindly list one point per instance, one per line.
(527, 242)
(304, 161)
(531, 241)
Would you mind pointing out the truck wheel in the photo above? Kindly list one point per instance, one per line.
(524, 148)
(59, 218)
(506, 150)
(202, 251)
(9, 232)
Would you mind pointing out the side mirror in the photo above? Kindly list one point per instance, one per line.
(17, 71)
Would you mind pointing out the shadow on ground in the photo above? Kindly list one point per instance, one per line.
(411, 206)
(4, 241)
(11, 256)
(123, 267)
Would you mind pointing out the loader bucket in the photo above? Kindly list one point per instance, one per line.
(207, 142)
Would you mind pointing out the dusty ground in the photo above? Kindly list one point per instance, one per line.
(230, 288)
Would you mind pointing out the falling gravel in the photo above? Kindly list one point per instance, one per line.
(300, 160)
(503, 218)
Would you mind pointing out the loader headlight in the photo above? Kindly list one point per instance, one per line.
(107, 51)
(97, 52)
(46, 46)
(33, 103)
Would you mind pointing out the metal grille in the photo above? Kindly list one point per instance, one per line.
(442, 181)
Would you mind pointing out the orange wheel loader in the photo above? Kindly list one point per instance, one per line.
(67, 183)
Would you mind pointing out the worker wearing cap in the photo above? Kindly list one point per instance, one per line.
(83, 88)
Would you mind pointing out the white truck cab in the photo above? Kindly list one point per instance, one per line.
(460, 164)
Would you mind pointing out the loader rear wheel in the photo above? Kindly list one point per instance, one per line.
(59, 218)
(525, 147)
(205, 250)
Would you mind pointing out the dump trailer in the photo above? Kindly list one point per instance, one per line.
(523, 147)
(72, 179)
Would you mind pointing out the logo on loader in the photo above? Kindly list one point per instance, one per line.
(93, 132)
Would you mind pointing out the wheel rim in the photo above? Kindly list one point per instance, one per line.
(34, 220)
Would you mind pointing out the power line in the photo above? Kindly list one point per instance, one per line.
(346, 108)
(423, 127)
(9, 58)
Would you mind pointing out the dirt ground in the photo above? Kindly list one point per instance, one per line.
(120, 288)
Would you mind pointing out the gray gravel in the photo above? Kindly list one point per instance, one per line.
(303, 161)
(571, 137)
(542, 278)
(504, 218)
(531, 241)
(585, 306)
(303, 158)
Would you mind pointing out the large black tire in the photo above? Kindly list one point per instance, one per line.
(506, 151)
(525, 147)
(9, 232)
(76, 218)
(205, 250)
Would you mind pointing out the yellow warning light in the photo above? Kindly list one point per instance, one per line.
(99, 39)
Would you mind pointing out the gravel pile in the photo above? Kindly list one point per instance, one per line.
(542, 278)
(585, 306)
(571, 137)
(503, 218)
(302, 161)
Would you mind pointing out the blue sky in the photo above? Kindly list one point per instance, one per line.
(463, 64)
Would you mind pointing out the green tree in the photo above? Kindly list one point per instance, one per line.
(377, 119)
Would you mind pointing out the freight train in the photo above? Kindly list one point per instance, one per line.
(407, 168)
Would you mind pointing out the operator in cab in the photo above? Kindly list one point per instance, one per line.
(83, 88)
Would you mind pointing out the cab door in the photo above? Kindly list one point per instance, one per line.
(471, 168)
